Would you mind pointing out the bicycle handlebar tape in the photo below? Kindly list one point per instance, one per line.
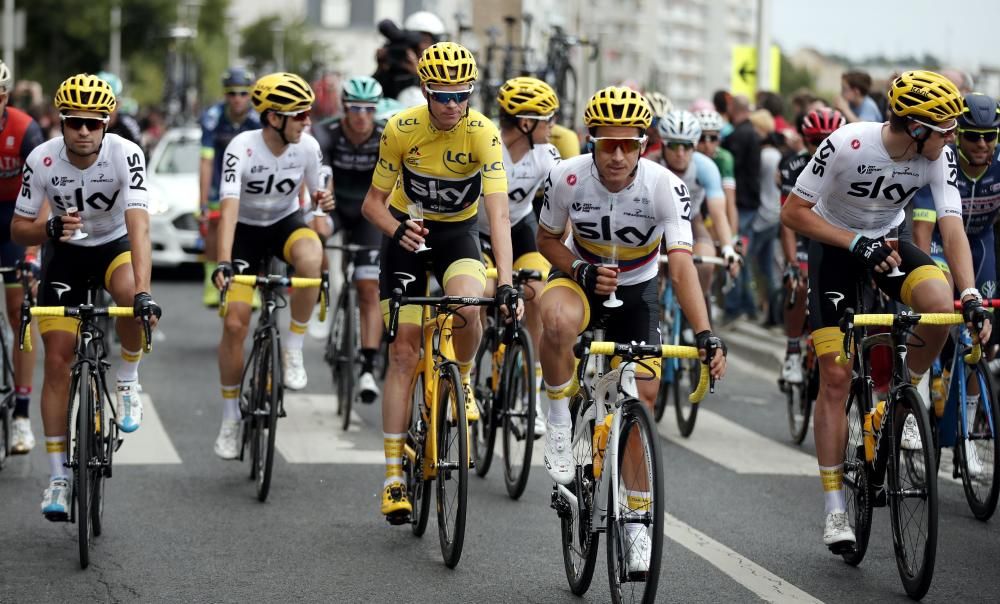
(306, 282)
(26, 337)
(250, 280)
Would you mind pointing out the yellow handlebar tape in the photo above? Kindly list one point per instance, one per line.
(886, 320)
(668, 351)
(60, 311)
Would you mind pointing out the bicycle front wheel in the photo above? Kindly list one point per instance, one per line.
(579, 539)
(453, 464)
(267, 411)
(518, 413)
(913, 496)
(977, 455)
(84, 448)
(417, 487)
(104, 445)
(343, 357)
(856, 486)
(799, 398)
(485, 378)
(635, 509)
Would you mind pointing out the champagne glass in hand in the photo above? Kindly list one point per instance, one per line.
(612, 263)
(892, 240)
(325, 178)
(71, 210)
(416, 212)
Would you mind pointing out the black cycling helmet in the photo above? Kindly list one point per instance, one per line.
(981, 112)
(237, 77)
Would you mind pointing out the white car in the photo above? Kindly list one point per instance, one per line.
(173, 197)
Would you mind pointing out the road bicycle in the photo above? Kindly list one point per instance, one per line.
(437, 440)
(92, 426)
(262, 386)
(7, 385)
(878, 471)
(559, 72)
(505, 388)
(515, 59)
(345, 334)
(617, 456)
(678, 375)
(799, 397)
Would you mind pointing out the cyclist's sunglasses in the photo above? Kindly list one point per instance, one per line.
(606, 144)
(75, 123)
(678, 145)
(360, 107)
(710, 138)
(939, 129)
(298, 116)
(237, 92)
(446, 96)
(974, 136)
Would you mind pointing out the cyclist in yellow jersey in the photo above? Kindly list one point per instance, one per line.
(565, 140)
(437, 159)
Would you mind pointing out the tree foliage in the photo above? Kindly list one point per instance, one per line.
(303, 55)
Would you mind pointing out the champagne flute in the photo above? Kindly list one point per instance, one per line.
(892, 240)
(325, 178)
(416, 212)
(612, 263)
(71, 210)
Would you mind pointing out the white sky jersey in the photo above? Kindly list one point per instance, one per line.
(268, 185)
(523, 180)
(655, 206)
(857, 186)
(114, 183)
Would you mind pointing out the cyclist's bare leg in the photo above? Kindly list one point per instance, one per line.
(468, 325)
(562, 314)
(929, 296)
(307, 257)
(59, 356)
(371, 313)
(122, 290)
(235, 326)
(830, 421)
(533, 313)
(24, 362)
(404, 354)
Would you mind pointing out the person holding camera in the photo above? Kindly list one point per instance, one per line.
(397, 59)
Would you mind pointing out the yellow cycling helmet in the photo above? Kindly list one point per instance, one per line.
(925, 95)
(617, 106)
(283, 92)
(525, 95)
(85, 92)
(447, 63)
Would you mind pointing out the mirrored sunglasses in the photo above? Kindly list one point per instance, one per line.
(446, 96)
(74, 122)
(627, 145)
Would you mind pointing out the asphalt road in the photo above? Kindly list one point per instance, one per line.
(745, 510)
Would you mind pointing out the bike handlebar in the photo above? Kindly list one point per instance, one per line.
(442, 303)
(84, 311)
(638, 351)
(905, 319)
(279, 281)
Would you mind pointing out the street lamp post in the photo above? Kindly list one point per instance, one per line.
(278, 44)
(115, 54)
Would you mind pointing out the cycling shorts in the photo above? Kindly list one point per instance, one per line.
(359, 232)
(254, 246)
(454, 251)
(636, 320)
(834, 274)
(523, 245)
(68, 273)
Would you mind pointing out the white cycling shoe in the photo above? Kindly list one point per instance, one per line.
(367, 388)
(22, 440)
(295, 370)
(227, 444)
(910, 440)
(972, 462)
(55, 500)
(639, 547)
(129, 405)
(540, 428)
(559, 453)
(791, 371)
(837, 532)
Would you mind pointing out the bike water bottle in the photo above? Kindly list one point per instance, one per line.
(869, 438)
(877, 416)
(600, 443)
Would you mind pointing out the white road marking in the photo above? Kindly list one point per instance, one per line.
(311, 433)
(766, 585)
(739, 449)
(150, 444)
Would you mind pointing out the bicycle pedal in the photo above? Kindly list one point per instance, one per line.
(398, 518)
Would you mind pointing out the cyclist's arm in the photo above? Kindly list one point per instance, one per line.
(553, 223)
(28, 226)
(956, 251)
(711, 180)
(684, 277)
(229, 212)
(208, 123)
(230, 187)
(797, 215)
(672, 209)
(555, 251)
(789, 247)
(924, 219)
(137, 215)
(498, 211)
(943, 186)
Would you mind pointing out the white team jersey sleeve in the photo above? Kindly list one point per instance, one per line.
(29, 202)
(819, 172)
(555, 199)
(673, 211)
(232, 166)
(943, 184)
(132, 158)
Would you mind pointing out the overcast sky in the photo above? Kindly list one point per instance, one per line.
(964, 36)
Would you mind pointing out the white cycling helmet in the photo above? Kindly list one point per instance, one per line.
(658, 103)
(679, 126)
(6, 80)
(710, 120)
(426, 22)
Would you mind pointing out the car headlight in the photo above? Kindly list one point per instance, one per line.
(157, 204)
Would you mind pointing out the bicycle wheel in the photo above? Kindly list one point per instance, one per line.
(484, 432)
(668, 374)
(567, 94)
(518, 414)
(579, 539)
(685, 380)
(799, 399)
(638, 470)
(981, 484)
(417, 488)
(103, 450)
(84, 452)
(344, 356)
(268, 409)
(856, 488)
(453, 464)
(913, 498)
(251, 420)
(5, 419)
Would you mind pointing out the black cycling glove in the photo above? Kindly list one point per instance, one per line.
(507, 296)
(708, 342)
(871, 252)
(143, 305)
(54, 228)
(974, 313)
(225, 269)
(585, 274)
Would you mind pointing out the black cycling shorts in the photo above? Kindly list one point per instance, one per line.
(359, 232)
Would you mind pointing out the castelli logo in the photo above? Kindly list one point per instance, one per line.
(855, 144)
(47, 161)
(571, 179)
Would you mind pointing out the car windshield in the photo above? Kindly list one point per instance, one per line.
(180, 156)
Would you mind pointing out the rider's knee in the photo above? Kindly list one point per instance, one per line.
(404, 354)
(235, 327)
(559, 324)
(368, 292)
(469, 316)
